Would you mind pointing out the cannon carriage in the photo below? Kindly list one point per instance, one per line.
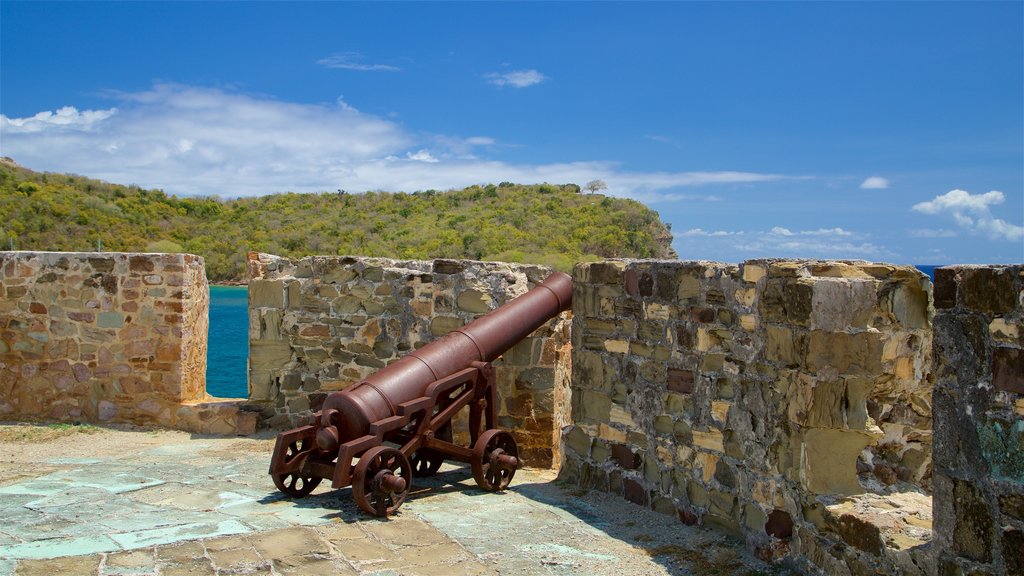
(396, 425)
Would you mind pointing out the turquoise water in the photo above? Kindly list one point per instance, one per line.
(228, 342)
(226, 372)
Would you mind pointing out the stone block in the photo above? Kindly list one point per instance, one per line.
(988, 290)
(973, 524)
(688, 288)
(680, 381)
(474, 301)
(1008, 369)
(753, 272)
(908, 303)
(858, 353)
(828, 463)
(266, 294)
(709, 440)
(634, 492)
(782, 346)
(841, 304)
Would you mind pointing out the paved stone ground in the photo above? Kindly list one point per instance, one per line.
(115, 502)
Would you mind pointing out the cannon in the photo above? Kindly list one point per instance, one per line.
(396, 424)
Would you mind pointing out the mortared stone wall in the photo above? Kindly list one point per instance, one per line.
(979, 419)
(108, 338)
(786, 402)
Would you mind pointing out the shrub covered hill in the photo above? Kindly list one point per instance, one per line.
(542, 224)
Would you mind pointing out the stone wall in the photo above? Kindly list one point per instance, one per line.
(787, 402)
(979, 419)
(323, 323)
(108, 337)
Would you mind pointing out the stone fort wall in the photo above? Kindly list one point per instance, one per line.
(786, 402)
(108, 338)
(979, 420)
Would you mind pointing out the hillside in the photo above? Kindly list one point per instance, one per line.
(545, 224)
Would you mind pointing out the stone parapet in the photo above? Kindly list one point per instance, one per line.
(322, 323)
(979, 419)
(104, 338)
(770, 399)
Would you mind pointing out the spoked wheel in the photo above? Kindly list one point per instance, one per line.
(295, 484)
(381, 480)
(495, 460)
(426, 462)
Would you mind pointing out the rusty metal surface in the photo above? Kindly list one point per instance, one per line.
(411, 403)
(482, 340)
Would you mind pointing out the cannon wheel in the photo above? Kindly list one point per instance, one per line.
(381, 480)
(426, 462)
(495, 459)
(293, 483)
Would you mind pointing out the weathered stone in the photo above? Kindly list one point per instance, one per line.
(860, 534)
(829, 460)
(988, 290)
(972, 531)
(634, 492)
(840, 304)
(266, 294)
(1008, 369)
(680, 381)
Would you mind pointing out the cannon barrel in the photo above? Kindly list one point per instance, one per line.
(347, 414)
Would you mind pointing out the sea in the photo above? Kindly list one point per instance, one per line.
(227, 354)
(228, 348)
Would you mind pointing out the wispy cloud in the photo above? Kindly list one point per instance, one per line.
(354, 61)
(973, 212)
(515, 78)
(66, 118)
(930, 233)
(693, 232)
(200, 141)
(778, 241)
(875, 183)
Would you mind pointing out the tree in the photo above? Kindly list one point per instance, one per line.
(595, 185)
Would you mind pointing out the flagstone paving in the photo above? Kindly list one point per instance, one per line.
(139, 503)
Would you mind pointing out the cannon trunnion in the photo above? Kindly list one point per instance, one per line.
(380, 433)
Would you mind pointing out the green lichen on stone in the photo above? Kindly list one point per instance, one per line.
(1002, 445)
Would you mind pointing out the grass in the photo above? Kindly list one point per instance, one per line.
(34, 433)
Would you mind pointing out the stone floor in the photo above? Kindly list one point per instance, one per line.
(117, 502)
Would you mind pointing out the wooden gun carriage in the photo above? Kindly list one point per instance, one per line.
(379, 433)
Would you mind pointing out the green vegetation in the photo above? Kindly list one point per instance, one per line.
(31, 433)
(542, 224)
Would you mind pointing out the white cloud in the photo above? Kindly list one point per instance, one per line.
(351, 61)
(930, 233)
(200, 141)
(780, 231)
(67, 117)
(973, 212)
(781, 242)
(701, 232)
(516, 78)
(875, 183)
(421, 156)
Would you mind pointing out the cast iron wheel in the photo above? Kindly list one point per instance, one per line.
(381, 480)
(426, 462)
(295, 484)
(495, 460)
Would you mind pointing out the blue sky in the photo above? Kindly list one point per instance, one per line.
(881, 131)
